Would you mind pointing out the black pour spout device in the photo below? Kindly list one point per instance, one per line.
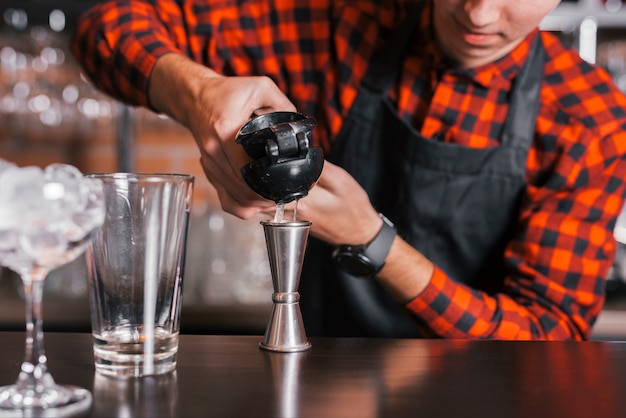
(285, 166)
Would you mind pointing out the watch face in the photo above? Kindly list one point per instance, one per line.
(355, 264)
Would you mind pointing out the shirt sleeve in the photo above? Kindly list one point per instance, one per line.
(559, 259)
(118, 43)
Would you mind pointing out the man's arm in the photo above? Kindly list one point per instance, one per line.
(214, 107)
(133, 50)
(558, 261)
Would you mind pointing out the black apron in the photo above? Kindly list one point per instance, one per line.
(456, 205)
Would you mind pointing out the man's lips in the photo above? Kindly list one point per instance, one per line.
(478, 39)
(475, 38)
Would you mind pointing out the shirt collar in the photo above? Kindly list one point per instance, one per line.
(506, 68)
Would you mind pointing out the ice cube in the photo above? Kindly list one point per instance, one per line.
(44, 212)
(46, 244)
(91, 214)
(16, 260)
(21, 191)
(62, 187)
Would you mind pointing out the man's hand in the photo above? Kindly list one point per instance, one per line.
(341, 213)
(214, 108)
(339, 209)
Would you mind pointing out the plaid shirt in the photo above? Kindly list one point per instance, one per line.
(318, 51)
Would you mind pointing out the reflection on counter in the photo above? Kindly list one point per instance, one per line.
(134, 397)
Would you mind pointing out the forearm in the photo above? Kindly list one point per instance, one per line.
(524, 310)
(175, 86)
(406, 272)
(453, 310)
(557, 262)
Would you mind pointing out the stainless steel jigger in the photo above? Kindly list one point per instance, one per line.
(286, 242)
(284, 167)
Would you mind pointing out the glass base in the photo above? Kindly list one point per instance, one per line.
(53, 401)
(126, 366)
(122, 353)
(131, 370)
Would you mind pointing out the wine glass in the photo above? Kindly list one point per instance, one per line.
(47, 218)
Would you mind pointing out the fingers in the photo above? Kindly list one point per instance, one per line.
(335, 179)
(269, 98)
(339, 208)
(225, 105)
(235, 196)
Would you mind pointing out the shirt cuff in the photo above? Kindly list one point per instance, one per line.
(143, 62)
(444, 306)
(422, 304)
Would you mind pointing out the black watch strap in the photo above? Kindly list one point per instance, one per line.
(379, 247)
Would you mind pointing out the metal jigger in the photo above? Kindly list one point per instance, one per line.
(286, 242)
(284, 167)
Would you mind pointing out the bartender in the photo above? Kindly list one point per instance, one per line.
(474, 165)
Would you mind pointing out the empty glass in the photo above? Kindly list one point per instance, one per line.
(135, 270)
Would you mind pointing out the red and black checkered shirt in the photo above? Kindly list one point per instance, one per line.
(317, 52)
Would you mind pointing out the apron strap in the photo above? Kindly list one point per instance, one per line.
(519, 126)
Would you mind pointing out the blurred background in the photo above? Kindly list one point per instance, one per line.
(50, 113)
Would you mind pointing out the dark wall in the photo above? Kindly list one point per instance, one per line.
(39, 10)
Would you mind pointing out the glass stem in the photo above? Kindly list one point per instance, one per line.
(34, 370)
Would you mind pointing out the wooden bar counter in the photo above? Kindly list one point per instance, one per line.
(229, 376)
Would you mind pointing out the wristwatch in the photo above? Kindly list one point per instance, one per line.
(367, 259)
